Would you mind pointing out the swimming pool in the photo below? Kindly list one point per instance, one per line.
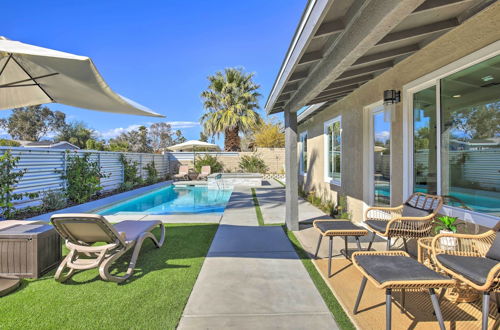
(173, 200)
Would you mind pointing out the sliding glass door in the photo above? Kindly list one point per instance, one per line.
(456, 138)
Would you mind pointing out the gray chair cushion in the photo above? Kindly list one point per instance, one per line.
(377, 225)
(494, 251)
(414, 212)
(396, 268)
(475, 269)
(324, 226)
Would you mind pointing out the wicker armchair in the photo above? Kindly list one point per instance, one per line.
(474, 260)
(413, 219)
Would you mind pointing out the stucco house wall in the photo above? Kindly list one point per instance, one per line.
(474, 34)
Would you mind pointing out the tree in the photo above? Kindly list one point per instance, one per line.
(92, 144)
(134, 141)
(77, 133)
(270, 135)
(479, 122)
(160, 135)
(33, 122)
(203, 137)
(179, 138)
(230, 103)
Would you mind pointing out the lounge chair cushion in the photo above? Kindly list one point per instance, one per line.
(377, 225)
(414, 212)
(475, 269)
(494, 251)
(385, 268)
(133, 229)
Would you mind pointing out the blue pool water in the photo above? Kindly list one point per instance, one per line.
(174, 200)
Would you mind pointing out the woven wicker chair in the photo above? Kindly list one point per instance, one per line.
(474, 260)
(413, 219)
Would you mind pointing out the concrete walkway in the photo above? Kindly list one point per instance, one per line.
(272, 204)
(253, 279)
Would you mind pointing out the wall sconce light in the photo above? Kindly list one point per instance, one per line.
(391, 97)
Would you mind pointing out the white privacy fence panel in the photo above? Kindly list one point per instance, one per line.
(44, 168)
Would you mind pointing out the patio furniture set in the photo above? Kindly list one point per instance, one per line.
(470, 265)
(187, 174)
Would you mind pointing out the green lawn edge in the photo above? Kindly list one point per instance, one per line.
(280, 182)
(258, 211)
(340, 316)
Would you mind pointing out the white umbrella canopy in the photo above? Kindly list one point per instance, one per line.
(192, 145)
(31, 75)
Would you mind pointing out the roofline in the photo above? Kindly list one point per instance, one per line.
(304, 21)
(310, 110)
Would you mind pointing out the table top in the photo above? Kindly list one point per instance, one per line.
(339, 227)
(390, 270)
(26, 230)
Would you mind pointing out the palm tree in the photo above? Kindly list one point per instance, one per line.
(230, 102)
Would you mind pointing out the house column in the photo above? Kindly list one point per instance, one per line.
(291, 168)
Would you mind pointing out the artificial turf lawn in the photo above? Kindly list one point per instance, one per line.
(153, 298)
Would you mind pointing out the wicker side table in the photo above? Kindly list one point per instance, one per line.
(458, 294)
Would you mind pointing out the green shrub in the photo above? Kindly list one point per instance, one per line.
(152, 173)
(208, 160)
(9, 143)
(253, 164)
(9, 177)
(130, 171)
(54, 200)
(126, 186)
(83, 177)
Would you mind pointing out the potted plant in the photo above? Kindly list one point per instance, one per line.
(446, 225)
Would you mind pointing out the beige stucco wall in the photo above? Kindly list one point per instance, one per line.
(474, 34)
(273, 157)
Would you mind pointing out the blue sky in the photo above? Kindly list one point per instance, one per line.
(159, 53)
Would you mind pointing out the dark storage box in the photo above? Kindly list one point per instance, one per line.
(29, 250)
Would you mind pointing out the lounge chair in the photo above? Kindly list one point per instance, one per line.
(205, 172)
(413, 219)
(474, 260)
(81, 231)
(183, 173)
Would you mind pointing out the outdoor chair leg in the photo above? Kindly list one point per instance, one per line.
(358, 243)
(486, 310)
(441, 294)
(388, 243)
(371, 241)
(403, 297)
(330, 252)
(388, 306)
(360, 294)
(497, 301)
(406, 245)
(317, 247)
(346, 249)
(437, 309)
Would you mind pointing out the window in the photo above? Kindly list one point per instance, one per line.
(456, 138)
(333, 151)
(303, 153)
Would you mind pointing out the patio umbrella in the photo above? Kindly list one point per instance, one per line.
(192, 145)
(31, 75)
